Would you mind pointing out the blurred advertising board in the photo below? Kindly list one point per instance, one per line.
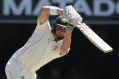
(92, 11)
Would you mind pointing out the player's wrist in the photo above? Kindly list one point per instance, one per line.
(55, 10)
(60, 11)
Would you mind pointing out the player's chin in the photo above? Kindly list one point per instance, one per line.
(59, 38)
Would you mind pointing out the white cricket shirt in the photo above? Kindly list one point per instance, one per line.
(39, 49)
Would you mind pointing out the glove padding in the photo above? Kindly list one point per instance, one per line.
(71, 15)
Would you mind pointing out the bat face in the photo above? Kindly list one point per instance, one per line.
(94, 38)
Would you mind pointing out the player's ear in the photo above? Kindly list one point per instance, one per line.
(53, 30)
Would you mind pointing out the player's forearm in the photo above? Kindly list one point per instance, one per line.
(52, 10)
(66, 43)
(48, 10)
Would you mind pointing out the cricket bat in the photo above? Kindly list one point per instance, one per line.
(71, 15)
(94, 38)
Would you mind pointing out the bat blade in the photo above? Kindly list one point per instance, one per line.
(94, 38)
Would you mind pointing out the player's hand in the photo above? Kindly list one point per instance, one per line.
(70, 27)
(71, 15)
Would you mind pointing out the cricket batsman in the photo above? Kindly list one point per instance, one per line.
(48, 41)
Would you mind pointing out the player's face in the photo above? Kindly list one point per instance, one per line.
(60, 31)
